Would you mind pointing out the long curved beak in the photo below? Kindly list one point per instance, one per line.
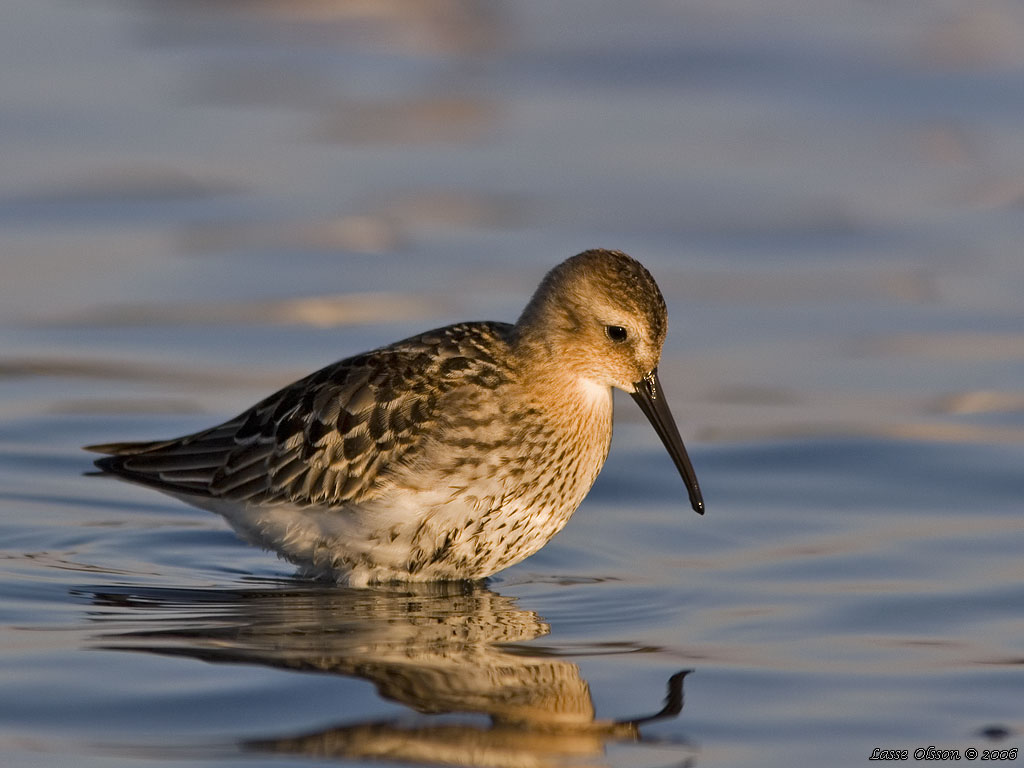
(651, 399)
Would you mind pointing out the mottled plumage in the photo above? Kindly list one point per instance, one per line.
(448, 455)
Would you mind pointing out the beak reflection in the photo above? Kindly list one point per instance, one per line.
(651, 399)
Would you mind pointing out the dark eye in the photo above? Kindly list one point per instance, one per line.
(616, 333)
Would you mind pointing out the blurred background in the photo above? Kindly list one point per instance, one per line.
(201, 201)
(830, 194)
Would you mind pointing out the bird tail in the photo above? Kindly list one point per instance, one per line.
(126, 449)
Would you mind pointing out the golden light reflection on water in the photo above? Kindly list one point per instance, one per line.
(315, 311)
(989, 34)
(423, 26)
(356, 233)
(387, 226)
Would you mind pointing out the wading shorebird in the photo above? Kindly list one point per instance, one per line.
(449, 455)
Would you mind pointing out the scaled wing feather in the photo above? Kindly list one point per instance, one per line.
(329, 439)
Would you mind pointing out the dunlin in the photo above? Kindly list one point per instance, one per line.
(449, 455)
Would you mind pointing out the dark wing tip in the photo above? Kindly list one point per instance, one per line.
(125, 448)
(120, 466)
(102, 448)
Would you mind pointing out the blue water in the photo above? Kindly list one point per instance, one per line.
(202, 202)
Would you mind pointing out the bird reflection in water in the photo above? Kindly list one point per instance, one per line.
(447, 648)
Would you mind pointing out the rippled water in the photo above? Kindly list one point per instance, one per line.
(201, 201)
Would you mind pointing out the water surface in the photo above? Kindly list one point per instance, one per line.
(201, 202)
